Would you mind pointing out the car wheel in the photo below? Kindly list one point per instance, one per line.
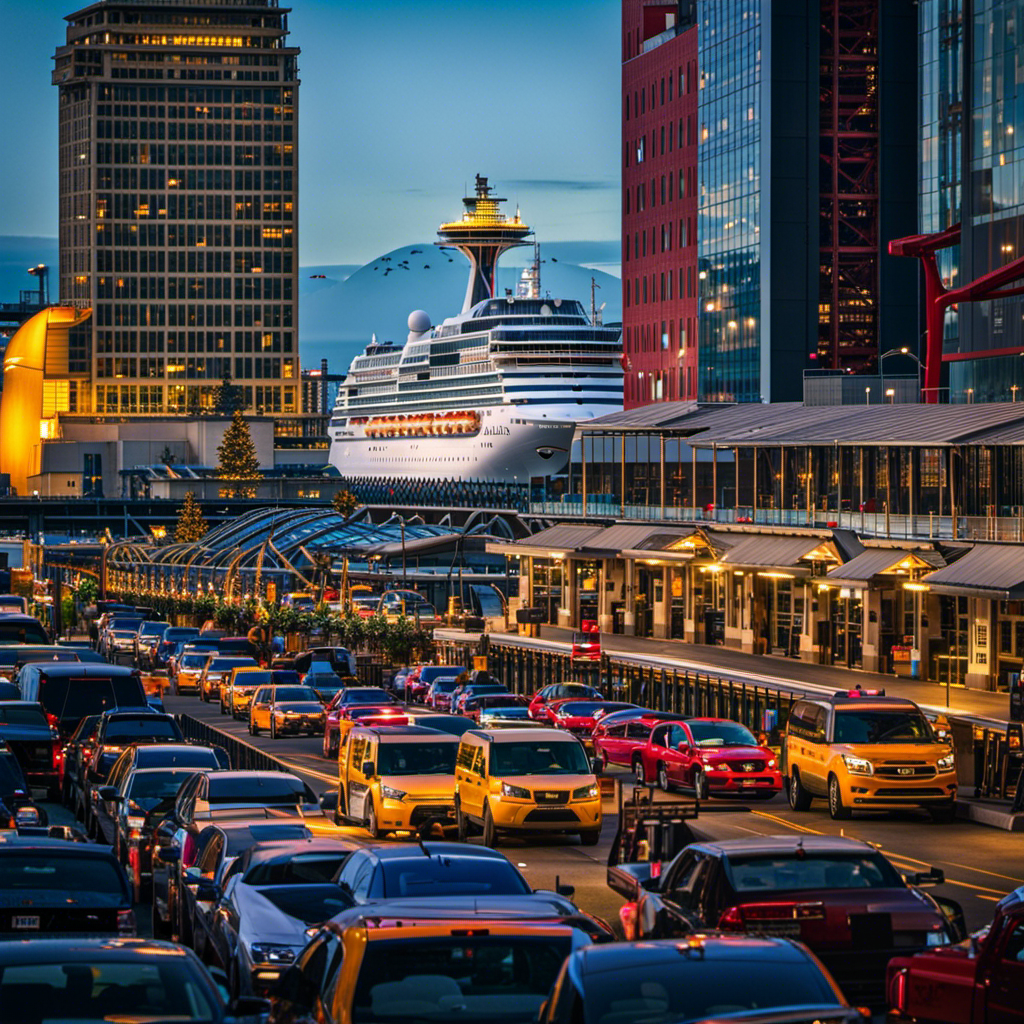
(799, 798)
(663, 782)
(836, 809)
(945, 813)
(461, 823)
(490, 832)
(700, 784)
(638, 771)
(372, 825)
(590, 837)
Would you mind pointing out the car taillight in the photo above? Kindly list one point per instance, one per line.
(747, 916)
(126, 922)
(54, 722)
(57, 756)
(898, 991)
(627, 918)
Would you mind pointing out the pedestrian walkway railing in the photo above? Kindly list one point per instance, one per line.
(984, 759)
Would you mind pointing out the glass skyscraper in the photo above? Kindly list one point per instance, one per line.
(178, 156)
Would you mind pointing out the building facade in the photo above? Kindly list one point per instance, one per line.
(972, 174)
(178, 164)
(659, 201)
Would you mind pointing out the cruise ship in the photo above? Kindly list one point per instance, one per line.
(492, 394)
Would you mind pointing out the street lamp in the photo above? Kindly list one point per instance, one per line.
(891, 395)
(901, 351)
(867, 396)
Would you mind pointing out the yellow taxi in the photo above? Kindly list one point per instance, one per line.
(286, 709)
(862, 750)
(382, 968)
(526, 780)
(237, 690)
(396, 777)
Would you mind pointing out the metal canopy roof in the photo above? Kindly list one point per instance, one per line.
(859, 571)
(627, 536)
(773, 552)
(988, 570)
(561, 539)
(792, 423)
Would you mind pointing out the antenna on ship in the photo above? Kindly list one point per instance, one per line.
(593, 301)
(482, 235)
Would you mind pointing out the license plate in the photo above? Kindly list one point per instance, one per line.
(26, 922)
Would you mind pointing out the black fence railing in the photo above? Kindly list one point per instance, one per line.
(243, 756)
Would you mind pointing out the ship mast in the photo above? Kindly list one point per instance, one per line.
(482, 235)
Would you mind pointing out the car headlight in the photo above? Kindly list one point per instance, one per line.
(586, 792)
(391, 794)
(516, 792)
(271, 953)
(723, 767)
(858, 765)
(947, 763)
(771, 763)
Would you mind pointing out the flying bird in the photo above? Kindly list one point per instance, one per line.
(411, 251)
(426, 266)
(552, 258)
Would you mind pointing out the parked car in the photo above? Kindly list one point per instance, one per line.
(705, 978)
(70, 691)
(561, 691)
(202, 799)
(279, 891)
(286, 709)
(53, 887)
(979, 981)
(554, 787)
(839, 896)
(396, 778)
(865, 751)
(87, 979)
(405, 971)
(710, 756)
(218, 847)
(36, 743)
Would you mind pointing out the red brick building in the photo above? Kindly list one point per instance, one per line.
(659, 201)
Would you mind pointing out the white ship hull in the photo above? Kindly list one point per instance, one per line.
(509, 446)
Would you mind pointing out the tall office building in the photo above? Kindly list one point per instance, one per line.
(972, 174)
(659, 201)
(178, 204)
(806, 170)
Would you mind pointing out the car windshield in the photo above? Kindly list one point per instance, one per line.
(785, 872)
(152, 628)
(298, 693)
(193, 660)
(164, 988)
(157, 785)
(259, 789)
(310, 904)
(864, 725)
(226, 664)
(669, 993)
(543, 757)
(510, 711)
(71, 699)
(721, 734)
(417, 758)
(366, 697)
(145, 727)
(14, 715)
(501, 980)
(47, 869)
(579, 708)
(443, 685)
(451, 876)
(174, 757)
(250, 680)
(297, 869)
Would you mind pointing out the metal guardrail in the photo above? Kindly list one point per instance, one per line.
(243, 756)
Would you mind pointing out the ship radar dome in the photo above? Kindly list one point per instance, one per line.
(419, 321)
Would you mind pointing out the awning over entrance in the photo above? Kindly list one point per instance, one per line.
(995, 571)
(621, 537)
(554, 542)
(782, 554)
(860, 571)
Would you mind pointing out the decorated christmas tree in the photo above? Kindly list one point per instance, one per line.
(238, 459)
(191, 525)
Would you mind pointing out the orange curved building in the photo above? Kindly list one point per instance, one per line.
(36, 389)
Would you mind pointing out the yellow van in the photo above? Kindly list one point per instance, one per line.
(396, 777)
(526, 780)
(861, 750)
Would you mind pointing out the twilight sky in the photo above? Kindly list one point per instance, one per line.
(401, 103)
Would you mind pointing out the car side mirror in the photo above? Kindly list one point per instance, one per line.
(568, 891)
(934, 876)
(109, 793)
(369, 769)
(328, 802)
(597, 765)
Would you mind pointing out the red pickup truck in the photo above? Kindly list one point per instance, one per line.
(979, 981)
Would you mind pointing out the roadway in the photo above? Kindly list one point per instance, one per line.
(981, 864)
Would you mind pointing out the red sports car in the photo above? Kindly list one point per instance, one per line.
(561, 691)
(709, 756)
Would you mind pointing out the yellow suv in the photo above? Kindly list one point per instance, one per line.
(396, 777)
(236, 692)
(526, 780)
(862, 750)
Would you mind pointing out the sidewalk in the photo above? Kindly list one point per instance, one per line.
(776, 670)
